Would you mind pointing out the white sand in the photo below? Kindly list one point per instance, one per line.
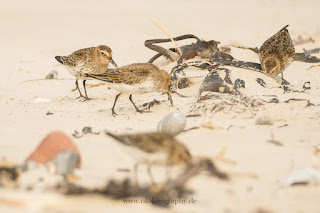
(33, 32)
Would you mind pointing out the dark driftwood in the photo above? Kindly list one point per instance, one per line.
(201, 48)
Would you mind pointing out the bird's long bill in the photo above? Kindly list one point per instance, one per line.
(170, 98)
(113, 63)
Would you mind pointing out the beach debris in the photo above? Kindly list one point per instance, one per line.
(264, 120)
(193, 115)
(85, 130)
(239, 83)
(49, 113)
(192, 128)
(212, 103)
(262, 210)
(58, 152)
(151, 104)
(173, 123)
(274, 100)
(52, 75)
(273, 141)
(214, 82)
(317, 149)
(301, 40)
(9, 174)
(261, 82)
(291, 100)
(209, 125)
(306, 86)
(302, 177)
(219, 81)
(221, 157)
(201, 48)
(64, 163)
(41, 100)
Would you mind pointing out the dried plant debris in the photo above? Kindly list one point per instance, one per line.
(219, 81)
(301, 40)
(9, 175)
(201, 48)
(299, 99)
(85, 130)
(306, 86)
(211, 103)
(150, 104)
(273, 141)
(261, 82)
(49, 113)
(274, 100)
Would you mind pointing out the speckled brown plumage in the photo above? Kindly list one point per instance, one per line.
(153, 143)
(277, 52)
(93, 60)
(137, 78)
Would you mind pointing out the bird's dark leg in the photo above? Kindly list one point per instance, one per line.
(282, 83)
(85, 90)
(151, 176)
(78, 89)
(170, 98)
(136, 182)
(138, 110)
(114, 104)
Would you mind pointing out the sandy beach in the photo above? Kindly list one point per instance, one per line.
(34, 32)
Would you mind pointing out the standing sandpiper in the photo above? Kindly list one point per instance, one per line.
(136, 78)
(93, 60)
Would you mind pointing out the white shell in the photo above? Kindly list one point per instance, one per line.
(304, 175)
(173, 123)
(41, 100)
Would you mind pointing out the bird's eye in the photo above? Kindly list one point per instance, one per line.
(102, 53)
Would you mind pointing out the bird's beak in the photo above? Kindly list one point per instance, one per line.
(113, 63)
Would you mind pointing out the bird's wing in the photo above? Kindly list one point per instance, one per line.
(126, 74)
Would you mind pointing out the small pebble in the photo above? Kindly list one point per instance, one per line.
(264, 120)
(52, 75)
(173, 123)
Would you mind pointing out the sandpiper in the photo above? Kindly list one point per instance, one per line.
(277, 53)
(93, 60)
(156, 148)
(138, 78)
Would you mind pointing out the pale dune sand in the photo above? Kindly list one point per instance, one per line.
(34, 32)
